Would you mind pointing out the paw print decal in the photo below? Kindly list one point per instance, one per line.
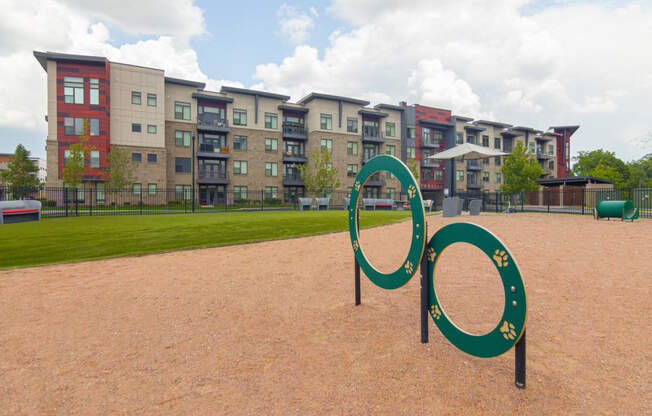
(355, 245)
(435, 311)
(409, 268)
(508, 330)
(357, 185)
(431, 254)
(500, 257)
(411, 191)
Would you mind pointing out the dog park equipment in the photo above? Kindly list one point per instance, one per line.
(475, 206)
(305, 204)
(624, 210)
(19, 211)
(509, 332)
(427, 204)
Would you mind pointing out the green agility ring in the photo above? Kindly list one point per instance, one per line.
(510, 328)
(407, 269)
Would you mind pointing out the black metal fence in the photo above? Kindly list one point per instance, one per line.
(570, 200)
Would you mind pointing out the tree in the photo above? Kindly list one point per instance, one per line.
(640, 172)
(520, 171)
(120, 172)
(75, 163)
(414, 168)
(319, 176)
(21, 171)
(586, 164)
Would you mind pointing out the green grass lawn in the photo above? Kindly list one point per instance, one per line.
(80, 238)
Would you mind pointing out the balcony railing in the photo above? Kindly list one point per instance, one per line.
(430, 143)
(430, 163)
(294, 131)
(213, 176)
(473, 184)
(213, 125)
(292, 179)
(366, 158)
(376, 179)
(294, 157)
(473, 165)
(543, 155)
(372, 134)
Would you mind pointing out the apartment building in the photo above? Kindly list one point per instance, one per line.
(180, 136)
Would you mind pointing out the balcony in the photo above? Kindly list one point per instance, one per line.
(213, 125)
(430, 163)
(367, 158)
(376, 179)
(543, 156)
(472, 184)
(292, 179)
(473, 165)
(294, 131)
(372, 134)
(431, 144)
(213, 177)
(213, 152)
(294, 157)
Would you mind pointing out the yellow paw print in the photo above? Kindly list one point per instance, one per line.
(500, 257)
(357, 185)
(411, 191)
(508, 330)
(431, 254)
(409, 268)
(435, 311)
(355, 245)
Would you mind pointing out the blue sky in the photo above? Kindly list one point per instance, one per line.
(533, 63)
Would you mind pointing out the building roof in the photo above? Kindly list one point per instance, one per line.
(43, 57)
(297, 109)
(528, 129)
(319, 95)
(493, 123)
(461, 118)
(216, 98)
(436, 123)
(372, 113)
(185, 82)
(572, 180)
(235, 90)
(572, 129)
(510, 132)
(389, 107)
(474, 127)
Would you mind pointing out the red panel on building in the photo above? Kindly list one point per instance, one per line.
(563, 153)
(430, 114)
(100, 111)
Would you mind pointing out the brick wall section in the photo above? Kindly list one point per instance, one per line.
(256, 157)
(146, 172)
(173, 151)
(87, 111)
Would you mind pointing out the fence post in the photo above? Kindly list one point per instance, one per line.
(497, 196)
(262, 200)
(185, 204)
(65, 199)
(548, 198)
(522, 199)
(91, 200)
(76, 202)
(583, 190)
(141, 200)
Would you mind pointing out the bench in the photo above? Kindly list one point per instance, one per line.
(368, 203)
(384, 203)
(475, 206)
(322, 203)
(19, 211)
(305, 204)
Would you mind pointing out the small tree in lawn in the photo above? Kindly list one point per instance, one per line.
(21, 171)
(75, 163)
(414, 168)
(120, 173)
(520, 171)
(319, 176)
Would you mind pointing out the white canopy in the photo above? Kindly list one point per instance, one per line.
(467, 151)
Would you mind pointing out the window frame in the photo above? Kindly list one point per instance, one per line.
(91, 122)
(94, 91)
(351, 124)
(91, 159)
(238, 121)
(182, 165)
(325, 121)
(136, 98)
(135, 158)
(273, 144)
(271, 169)
(239, 170)
(151, 159)
(180, 110)
(350, 147)
(76, 86)
(183, 138)
(329, 144)
(271, 121)
(149, 129)
(136, 128)
(390, 129)
(149, 189)
(151, 96)
(240, 140)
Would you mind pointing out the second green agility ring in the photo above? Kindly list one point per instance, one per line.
(409, 266)
(512, 324)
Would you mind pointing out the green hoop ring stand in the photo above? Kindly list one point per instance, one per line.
(512, 324)
(409, 266)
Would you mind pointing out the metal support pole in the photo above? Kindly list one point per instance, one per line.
(583, 190)
(141, 200)
(357, 265)
(425, 292)
(548, 198)
(519, 362)
(194, 156)
(91, 199)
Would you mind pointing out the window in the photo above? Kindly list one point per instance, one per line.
(497, 177)
(100, 197)
(239, 193)
(327, 144)
(182, 164)
(271, 145)
(411, 133)
(459, 137)
(496, 142)
(390, 149)
(271, 192)
(182, 192)
(151, 157)
(239, 117)
(391, 193)
(437, 174)
(151, 100)
(94, 126)
(135, 127)
(271, 169)
(531, 147)
(485, 141)
(497, 160)
(135, 97)
(437, 137)
(390, 129)
(182, 138)
(351, 170)
(459, 175)
(329, 165)
(411, 152)
(426, 135)
(239, 167)
(136, 157)
(136, 188)
(151, 189)
(181, 110)
(485, 161)
(551, 149)
(352, 125)
(94, 94)
(151, 128)
(470, 139)
(485, 176)
(240, 142)
(95, 159)
(326, 121)
(73, 90)
(66, 156)
(271, 121)
(73, 126)
(426, 174)
(352, 148)
(551, 165)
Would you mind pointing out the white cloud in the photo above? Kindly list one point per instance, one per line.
(294, 24)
